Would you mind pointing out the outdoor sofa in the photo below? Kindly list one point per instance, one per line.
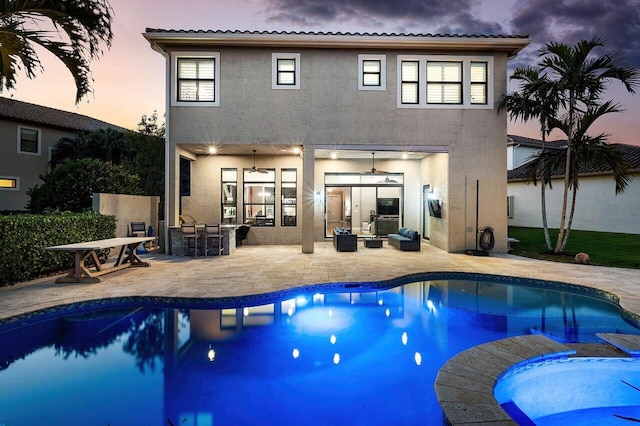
(406, 239)
(344, 240)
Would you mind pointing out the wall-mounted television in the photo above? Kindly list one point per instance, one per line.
(388, 206)
(434, 208)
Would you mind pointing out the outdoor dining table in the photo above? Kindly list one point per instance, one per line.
(88, 272)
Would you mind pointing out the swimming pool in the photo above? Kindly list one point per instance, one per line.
(335, 354)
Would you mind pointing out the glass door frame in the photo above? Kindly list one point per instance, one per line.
(351, 186)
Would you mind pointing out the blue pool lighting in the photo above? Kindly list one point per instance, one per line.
(338, 354)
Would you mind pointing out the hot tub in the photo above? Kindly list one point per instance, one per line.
(590, 390)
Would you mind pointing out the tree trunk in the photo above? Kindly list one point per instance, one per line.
(565, 198)
(545, 226)
(567, 166)
(573, 209)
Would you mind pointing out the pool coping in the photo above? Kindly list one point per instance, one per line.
(464, 385)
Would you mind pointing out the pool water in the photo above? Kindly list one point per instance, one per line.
(581, 391)
(333, 355)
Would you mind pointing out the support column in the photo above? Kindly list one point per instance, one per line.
(308, 198)
(172, 192)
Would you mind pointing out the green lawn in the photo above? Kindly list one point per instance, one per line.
(604, 248)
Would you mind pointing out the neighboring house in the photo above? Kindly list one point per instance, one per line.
(380, 124)
(520, 150)
(28, 133)
(598, 208)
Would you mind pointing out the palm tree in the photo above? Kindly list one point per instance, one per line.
(579, 78)
(587, 152)
(75, 31)
(535, 100)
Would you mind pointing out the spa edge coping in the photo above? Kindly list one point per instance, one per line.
(464, 385)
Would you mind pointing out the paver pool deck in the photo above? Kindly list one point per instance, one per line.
(262, 269)
(254, 269)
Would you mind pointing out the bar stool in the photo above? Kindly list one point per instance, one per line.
(213, 239)
(189, 234)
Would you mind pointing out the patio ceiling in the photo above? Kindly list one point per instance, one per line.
(359, 152)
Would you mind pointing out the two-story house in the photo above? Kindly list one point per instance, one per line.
(298, 132)
(28, 132)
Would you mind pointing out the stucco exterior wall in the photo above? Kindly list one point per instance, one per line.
(597, 206)
(127, 209)
(26, 167)
(435, 172)
(329, 110)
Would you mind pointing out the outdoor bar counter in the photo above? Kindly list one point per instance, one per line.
(228, 231)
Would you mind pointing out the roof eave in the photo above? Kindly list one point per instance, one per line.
(511, 45)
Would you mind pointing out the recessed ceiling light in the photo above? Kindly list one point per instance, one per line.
(296, 150)
(334, 155)
(405, 155)
(212, 150)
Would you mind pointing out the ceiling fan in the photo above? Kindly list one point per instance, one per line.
(373, 166)
(255, 169)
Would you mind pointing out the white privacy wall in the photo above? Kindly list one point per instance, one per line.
(597, 206)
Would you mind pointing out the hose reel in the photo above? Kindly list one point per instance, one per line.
(486, 240)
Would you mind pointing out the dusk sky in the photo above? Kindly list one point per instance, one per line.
(130, 80)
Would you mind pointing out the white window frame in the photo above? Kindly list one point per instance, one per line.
(466, 81)
(19, 141)
(174, 77)
(14, 178)
(383, 71)
(274, 71)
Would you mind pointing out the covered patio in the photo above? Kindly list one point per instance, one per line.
(294, 194)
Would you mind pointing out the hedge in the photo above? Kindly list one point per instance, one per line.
(24, 236)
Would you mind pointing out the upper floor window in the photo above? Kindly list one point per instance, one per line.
(409, 87)
(28, 141)
(196, 78)
(372, 72)
(478, 83)
(443, 81)
(285, 71)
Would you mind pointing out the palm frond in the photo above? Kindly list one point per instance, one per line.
(81, 28)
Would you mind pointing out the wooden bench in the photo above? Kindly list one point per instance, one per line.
(89, 251)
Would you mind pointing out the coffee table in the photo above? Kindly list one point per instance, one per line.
(373, 242)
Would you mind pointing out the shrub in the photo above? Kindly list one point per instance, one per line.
(24, 236)
(71, 184)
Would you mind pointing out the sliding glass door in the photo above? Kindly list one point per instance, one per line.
(366, 204)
